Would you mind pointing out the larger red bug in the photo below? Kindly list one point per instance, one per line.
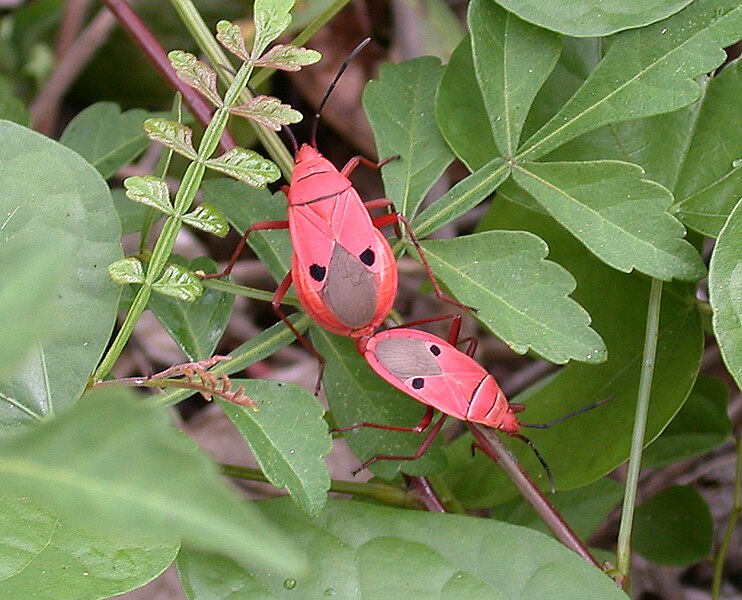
(343, 268)
(436, 373)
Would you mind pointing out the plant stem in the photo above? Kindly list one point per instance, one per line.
(493, 447)
(731, 526)
(247, 292)
(383, 493)
(623, 550)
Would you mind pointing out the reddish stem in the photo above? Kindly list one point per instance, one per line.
(425, 493)
(493, 447)
(152, 49)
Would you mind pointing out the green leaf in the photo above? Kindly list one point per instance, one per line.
(200, 76)
(150, 191)
(11, 107)
(179, 283)
(645, 72)
(356, 394)
(725, 293)
(500, 40)
(619, 216)
(289, 438)
(522, 298)
(378, 553)
(701, 426)
(245, 165)
(272, 18)
(400, 107)
(587, 447)
(460, 111)
(268, 111)
(106, 137)
(198, 325)
(244, 206)
(585, 18)
(584, 508)
(132, 214)
(124, 468)
(462, 197)
(39, 545)
(76, 210)
(230, 36)
(126, 270)
(707, 210)
(171, 134)
(27, 290)
(674, 527)
(288, 58)
(208, 218)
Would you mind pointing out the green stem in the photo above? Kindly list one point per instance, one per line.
(623, 551)
(385, 494)
(247, 292)
(731, 526)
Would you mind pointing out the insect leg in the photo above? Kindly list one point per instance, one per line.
(420, 451)
(261, 226)
(356, 160)
(278, 296)
(419, 428)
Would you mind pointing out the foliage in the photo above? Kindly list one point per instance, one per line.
(594, 156)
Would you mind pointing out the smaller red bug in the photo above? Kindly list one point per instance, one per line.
(436, 373)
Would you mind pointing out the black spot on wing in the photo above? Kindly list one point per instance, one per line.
(368, 257)
(317, 272)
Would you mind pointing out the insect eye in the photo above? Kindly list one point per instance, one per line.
(435, 350)
(368, 257)
(317, 272)
(418, 383)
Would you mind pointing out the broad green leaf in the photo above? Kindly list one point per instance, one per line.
(289, 438)
(207, 218)
(645, 72)
(701, 426)
(126, 270)
(500, 40)
(125, 469)
(619, 216)
(522, 298)
(11, 107)
(196, 73)
(171, 134)
(585, 448)
(150, 191)
(586, 18)
(245, 206)
(271, 17)
(195, 326)
(400, 107)
(438, 27)
(708, 210)
(288, 58)
(378, 553)
(106, 137)
(268, 111)
(40, 546)
(584, 508)
(460, 112)
(31, 279)
(230, 36)
(356, 394)
(245, 165)
(132, 214)
(462, 197)
(674, 527)
(76, 209)
(725, 292)
(179, 283)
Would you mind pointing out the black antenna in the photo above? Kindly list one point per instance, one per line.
(574, 413)
(549, 476)
(341, 70)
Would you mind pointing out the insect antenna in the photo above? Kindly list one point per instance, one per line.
(341, 70)
(574, 413)
(539, 457)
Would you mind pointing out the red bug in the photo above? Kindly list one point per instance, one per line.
(436, 373)
(343, 268)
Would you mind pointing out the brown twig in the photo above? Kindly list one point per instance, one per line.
(425, 493)
(493, 447)
(155, 53)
